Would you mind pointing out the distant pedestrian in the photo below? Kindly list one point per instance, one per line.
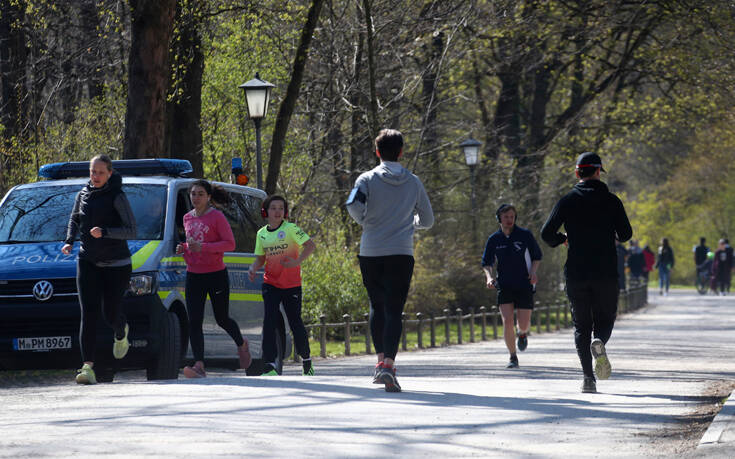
(730, 260)
(104, 221)
(722, 268)
(389, 202)
(593, 218)
(516, 255)
(650, 260)
(208, 237)
(636, 262)
(665, 264)
(622, 258)
(282, 246)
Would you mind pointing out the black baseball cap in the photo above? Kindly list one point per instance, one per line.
(589, 159)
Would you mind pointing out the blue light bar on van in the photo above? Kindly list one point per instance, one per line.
(168, 167)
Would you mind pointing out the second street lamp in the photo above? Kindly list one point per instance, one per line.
(257, 94)
(471, 150)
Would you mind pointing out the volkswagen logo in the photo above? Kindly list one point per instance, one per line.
(43, 290)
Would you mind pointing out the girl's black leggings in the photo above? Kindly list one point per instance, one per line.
(217, 286)
(100, 289)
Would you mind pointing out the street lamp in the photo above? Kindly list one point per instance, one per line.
(257, 94)
(471, 149)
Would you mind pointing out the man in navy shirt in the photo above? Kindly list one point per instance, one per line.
(517, 255)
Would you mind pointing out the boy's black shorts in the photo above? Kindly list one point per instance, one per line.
(522, 298)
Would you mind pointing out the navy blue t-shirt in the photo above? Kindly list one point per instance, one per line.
(514, 254)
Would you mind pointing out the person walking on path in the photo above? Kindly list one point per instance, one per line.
(277, 247)
(208, 237)
(650, 259)
(516, 255)
(593, 218)
(700, 252)
(730, 261)
(104, 221)
(722, 268)
(664, 263)
(389, 202)
(636, 262)
(622, 254)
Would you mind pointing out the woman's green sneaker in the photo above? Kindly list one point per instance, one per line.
(85, 375)
(308, 368)
(121, 346)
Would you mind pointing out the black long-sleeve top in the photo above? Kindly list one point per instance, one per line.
(593, 218)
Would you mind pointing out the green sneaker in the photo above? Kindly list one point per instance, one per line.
(602, 363)
(308, 369)
(121, 346)
(269, 370)
(85, 375)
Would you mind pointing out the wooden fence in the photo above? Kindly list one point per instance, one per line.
(483, 319)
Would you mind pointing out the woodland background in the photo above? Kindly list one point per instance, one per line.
(646, 84)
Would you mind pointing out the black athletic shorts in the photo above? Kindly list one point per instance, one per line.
(522, 298)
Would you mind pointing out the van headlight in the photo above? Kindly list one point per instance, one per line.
(142, 284)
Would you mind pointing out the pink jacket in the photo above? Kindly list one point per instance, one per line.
(215, 235)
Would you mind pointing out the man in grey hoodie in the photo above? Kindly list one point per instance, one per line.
(389, 202)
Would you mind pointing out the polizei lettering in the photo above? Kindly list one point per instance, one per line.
(44, 259)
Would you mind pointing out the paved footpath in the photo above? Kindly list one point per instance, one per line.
(457, 401)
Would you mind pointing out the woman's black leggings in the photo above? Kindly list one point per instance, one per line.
(100, 289)
(217, 286)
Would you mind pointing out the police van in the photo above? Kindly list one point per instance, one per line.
(39, 307)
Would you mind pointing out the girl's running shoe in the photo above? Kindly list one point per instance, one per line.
(85, 375)
(602, 363)
(194, 372)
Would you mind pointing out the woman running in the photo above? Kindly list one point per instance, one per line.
(208, 237)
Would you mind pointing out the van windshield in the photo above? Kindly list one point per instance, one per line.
(41, 214)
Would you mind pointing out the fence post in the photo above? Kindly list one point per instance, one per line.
(432, 329)
(495, 324)
(419, 330)
(403, 331)
(346, 317)
(368, 345)
(472, 324)
(566, 314)
(557, 316)
(459, 325)
(483, 323)
(446, 326)
(538, 323)
(323, 335)
(548, 319)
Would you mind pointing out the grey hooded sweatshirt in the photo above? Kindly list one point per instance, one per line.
(389, 202)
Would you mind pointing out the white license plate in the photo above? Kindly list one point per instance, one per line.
(43, 343)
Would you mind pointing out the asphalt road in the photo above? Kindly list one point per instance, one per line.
(671, 360)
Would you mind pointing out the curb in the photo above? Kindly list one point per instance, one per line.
(722, 429)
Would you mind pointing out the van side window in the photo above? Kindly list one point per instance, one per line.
(243, 214)
(182, 207)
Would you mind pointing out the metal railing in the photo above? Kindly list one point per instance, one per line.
(487, 320)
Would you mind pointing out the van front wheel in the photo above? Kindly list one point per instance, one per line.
(165, 364)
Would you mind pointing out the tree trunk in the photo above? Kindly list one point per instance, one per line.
(148, 78)
(292, 94)
(373, 112)
(184, 135)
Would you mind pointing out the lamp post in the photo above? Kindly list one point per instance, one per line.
(471, 149)
(257, 94)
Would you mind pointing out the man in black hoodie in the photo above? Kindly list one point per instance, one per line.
(594, 219)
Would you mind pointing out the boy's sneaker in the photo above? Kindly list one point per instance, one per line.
(85, 375)
(194, 372)
(243, 353)
(602, 364)
(121, 346)
(513, 363)
(269, 370)
(376, 373)
(387, 376)
(589, 386)
(308, 368)
(522, 342)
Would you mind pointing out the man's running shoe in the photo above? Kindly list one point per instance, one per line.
(376, 373)
(121, 346)
(194, 372)
(387, 376)
(513, 363)
(589, 386)
(243, 353)
(602, 363)
(308, 368)
(269, 370)
(522, 342)
(85, 375)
